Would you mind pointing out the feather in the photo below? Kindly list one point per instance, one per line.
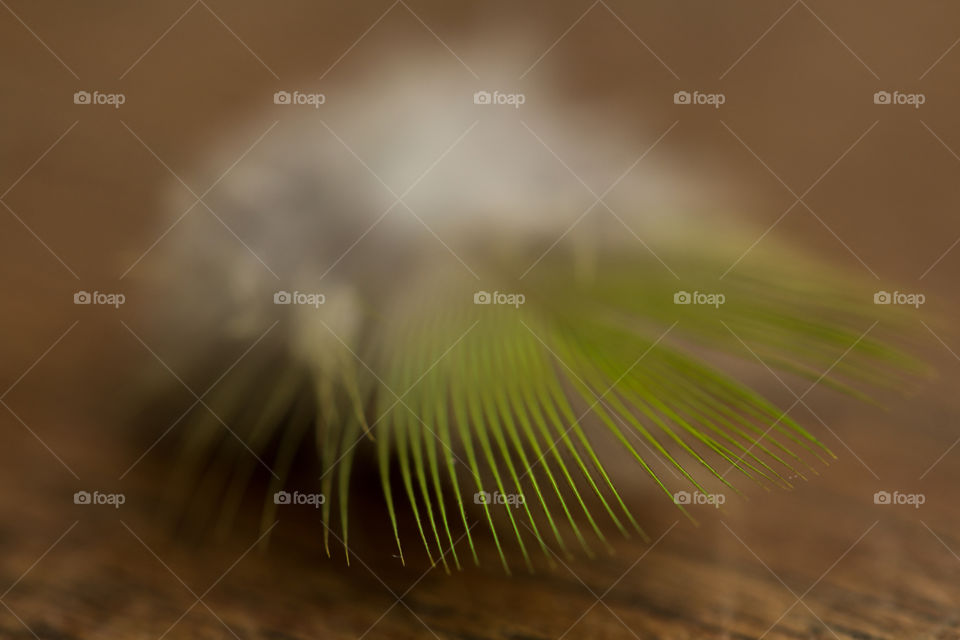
(484, 340)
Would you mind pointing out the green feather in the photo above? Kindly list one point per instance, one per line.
(462, 398)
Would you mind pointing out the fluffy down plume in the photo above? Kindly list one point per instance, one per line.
(406, 272)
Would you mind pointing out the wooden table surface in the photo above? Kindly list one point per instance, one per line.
(821, 561)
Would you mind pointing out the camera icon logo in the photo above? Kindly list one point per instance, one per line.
(81, 497)
(682, 297)
(881, 497)
(281, 97)
(82, 297)
(482, 297)
(282, 297)
(482, 497)
(681, 497)
(81, 97)
(482, 97)
(881, 97)
(281, 497)
(882, 297)
(681, 97)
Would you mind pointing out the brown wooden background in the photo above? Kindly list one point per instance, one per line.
(800, 98)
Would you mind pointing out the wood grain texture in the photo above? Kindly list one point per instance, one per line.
(819, 562)
(822, 561)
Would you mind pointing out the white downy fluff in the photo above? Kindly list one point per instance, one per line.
(313, 206)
